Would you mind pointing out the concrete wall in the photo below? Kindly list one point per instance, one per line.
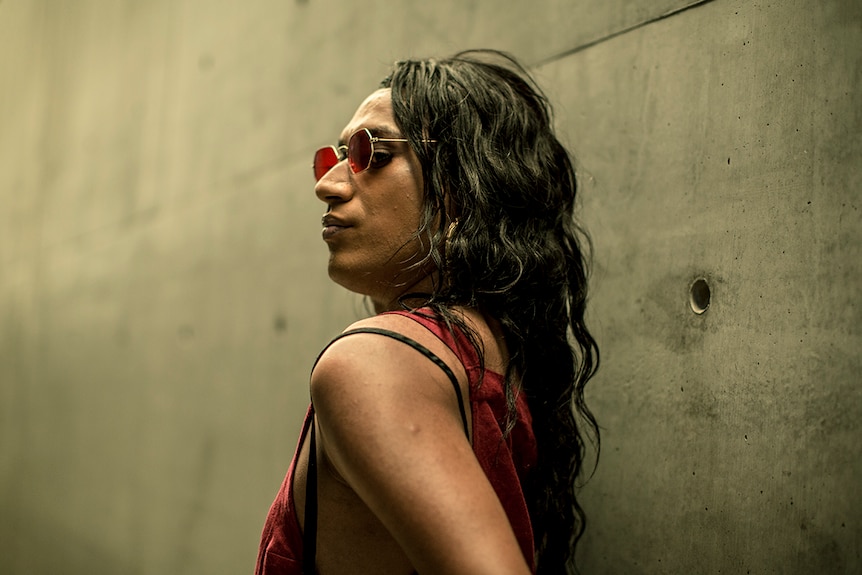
(163, 288)
(725, 143)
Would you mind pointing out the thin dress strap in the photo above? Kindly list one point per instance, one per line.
(309, 534)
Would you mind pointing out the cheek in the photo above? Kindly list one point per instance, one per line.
(404, 204)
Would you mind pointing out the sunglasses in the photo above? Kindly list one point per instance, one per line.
(359, 152)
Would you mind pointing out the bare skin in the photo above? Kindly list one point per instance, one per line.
(399, 486)
(372, 216)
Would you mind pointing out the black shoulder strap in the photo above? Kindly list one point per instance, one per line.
(309, 531)
(421, 349)
(309, 535)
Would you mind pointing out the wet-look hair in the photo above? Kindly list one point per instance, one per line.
(499, 224)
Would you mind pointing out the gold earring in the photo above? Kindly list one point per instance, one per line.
(451, 229)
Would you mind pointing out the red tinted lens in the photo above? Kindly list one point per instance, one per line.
(324, 160)
(359, 150)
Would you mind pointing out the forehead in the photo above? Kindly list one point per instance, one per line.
(374, 113)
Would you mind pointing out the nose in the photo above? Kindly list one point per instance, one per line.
(335, 186)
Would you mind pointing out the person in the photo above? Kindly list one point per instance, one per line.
(447, 431)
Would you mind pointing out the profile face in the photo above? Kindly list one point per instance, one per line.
(372, 215)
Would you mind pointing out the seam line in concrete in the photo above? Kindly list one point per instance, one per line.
(618, 33)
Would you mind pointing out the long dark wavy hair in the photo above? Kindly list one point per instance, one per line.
(499, 205)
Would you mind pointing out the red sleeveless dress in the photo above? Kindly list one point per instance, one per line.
(506, 462)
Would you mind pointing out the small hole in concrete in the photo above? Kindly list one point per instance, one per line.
(698, 297)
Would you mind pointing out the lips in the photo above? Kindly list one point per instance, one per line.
(332, 226)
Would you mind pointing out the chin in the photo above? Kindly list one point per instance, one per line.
(379, 284)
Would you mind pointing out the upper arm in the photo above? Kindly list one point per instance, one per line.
(389, 424)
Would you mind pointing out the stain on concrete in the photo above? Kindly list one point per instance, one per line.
(666, 315)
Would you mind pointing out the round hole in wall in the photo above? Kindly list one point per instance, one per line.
(698, 296)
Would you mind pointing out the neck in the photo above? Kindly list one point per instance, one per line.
(394, 301)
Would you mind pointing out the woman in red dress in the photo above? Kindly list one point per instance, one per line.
(443, 434)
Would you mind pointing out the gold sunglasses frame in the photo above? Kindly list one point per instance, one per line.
(371, 139)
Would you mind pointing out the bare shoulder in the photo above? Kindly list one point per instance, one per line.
(370, 388)
(382, 405)
(390, 429)
(401, 324)
(359, 356)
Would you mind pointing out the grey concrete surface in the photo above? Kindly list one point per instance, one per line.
(163, 288)
(724, 143)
